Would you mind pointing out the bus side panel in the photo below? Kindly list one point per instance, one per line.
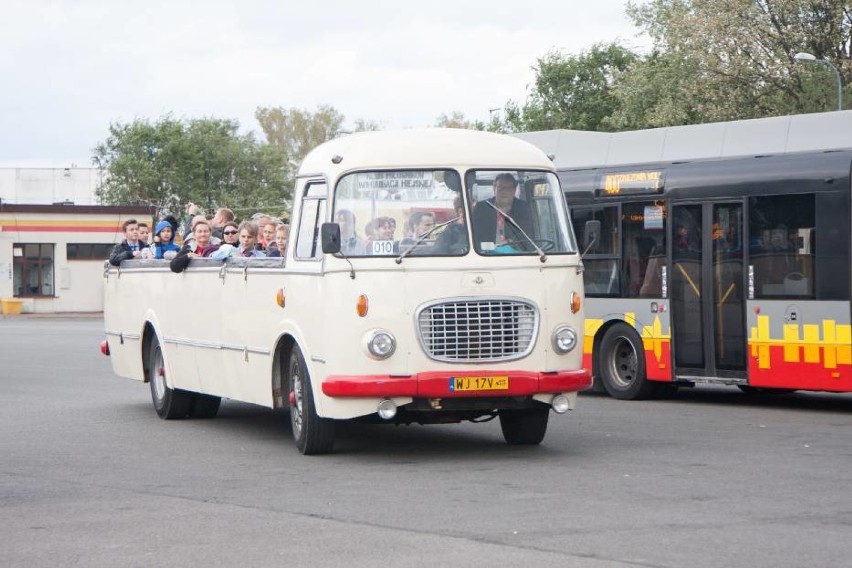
(650, 319)
(800, 345)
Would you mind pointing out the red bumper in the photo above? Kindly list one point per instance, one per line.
(437, 384)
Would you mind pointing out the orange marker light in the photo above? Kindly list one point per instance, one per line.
(575, 302)
(363, 305)
(279, 297)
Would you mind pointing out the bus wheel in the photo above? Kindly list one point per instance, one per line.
(205, 406)
(312, 434)
(621, 364)
(169, 403)
(524, 427)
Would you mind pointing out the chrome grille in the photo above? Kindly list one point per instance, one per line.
(477, 329)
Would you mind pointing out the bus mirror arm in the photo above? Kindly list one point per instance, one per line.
(591, 243)
(330, 239)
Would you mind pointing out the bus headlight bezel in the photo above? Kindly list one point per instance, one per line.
(564, 339)
(380, 343)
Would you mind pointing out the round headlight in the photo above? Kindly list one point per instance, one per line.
(564, 339)
(381, 344)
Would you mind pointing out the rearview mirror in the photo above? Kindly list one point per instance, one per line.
(330, 237)
(591, 234)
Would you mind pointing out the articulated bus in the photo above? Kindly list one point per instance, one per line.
(714, 254)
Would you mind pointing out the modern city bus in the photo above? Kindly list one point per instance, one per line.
(714, 254)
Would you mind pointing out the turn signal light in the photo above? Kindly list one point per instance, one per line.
(363, 305)
(279, 297)
(576, 302)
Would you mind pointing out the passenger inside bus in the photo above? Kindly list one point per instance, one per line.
(490, 225)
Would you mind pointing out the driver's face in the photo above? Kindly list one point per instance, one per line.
(504, 193)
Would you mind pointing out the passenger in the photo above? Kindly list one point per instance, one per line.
(453, 239)
(190, 240)
(175, 228)
(282, 233)
(201, 245)
(268, 232)
(383, 232)
(248, 241)
(144, 233)
(230, 234)
(129, 248)
(222, 217)
(260, 220)
(491, 226)
(350, 243)
(419, 225)
(164, 241)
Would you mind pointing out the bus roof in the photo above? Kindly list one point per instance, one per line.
(423, 148)
(574, 149)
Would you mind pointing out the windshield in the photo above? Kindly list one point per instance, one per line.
(417, 212)
(518, 212)
(423, 213)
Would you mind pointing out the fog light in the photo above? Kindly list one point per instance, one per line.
(561, 404)
(381, 344)
(564, 339)
(387, 409)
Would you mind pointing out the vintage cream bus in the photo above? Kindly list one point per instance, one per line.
(431, 276)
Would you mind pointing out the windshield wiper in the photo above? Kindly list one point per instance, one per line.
(423, 237)
(541, 255)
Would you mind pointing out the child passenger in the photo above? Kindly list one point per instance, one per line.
(164, 241)
(282, 233)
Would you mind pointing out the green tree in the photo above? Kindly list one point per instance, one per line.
(571, 91)
(733, 59)
(295, 132)
(172, 162)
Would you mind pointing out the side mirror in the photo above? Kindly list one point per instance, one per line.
(591, 232)
(330, 236)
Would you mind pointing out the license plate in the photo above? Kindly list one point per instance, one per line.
(468, 384)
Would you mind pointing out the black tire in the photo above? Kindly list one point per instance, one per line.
(169, 403)
(204, 406)
(621, 364)
(524, 427)
(313, 435)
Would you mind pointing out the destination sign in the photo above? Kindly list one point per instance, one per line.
(630, 183)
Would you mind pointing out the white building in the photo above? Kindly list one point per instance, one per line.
(54, 238)
(45, 186)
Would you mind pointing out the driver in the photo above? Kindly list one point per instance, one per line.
(490, 226)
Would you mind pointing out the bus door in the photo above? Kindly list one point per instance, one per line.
(707, 291)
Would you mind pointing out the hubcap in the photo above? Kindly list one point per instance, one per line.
(296, 398)
(158, 375)
(623, 363)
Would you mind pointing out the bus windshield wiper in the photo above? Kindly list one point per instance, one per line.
(423, 237)
(541, 255)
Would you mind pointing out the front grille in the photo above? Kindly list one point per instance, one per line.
(477, 329)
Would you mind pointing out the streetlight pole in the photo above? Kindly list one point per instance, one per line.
(801, 56)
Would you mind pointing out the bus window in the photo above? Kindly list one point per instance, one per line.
(781, 245)
(644, 249)
(602, 276)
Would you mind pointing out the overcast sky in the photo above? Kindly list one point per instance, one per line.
(70, 67)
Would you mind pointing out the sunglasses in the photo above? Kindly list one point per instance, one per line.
(229, 232)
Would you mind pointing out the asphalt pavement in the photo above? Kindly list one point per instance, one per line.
(90, 476)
